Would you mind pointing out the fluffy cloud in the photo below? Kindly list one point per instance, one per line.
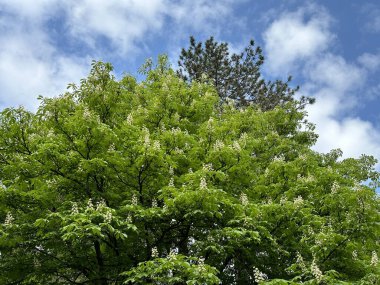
(296, 36)
(297, 42)
(46, 44)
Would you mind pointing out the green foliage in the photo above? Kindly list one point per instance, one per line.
(155, 182)
(235, 76)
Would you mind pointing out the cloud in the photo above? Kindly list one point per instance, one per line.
(46, 44)
(300, 42)
(295, 37)
(370, 61)
(371, 12)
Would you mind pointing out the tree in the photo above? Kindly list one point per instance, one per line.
(235, 76)
(153, 182)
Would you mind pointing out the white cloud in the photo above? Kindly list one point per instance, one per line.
(32, 62)
(370, 61)
(298, 41)
(295, 37)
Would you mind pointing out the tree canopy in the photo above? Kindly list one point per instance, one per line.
(236, 76)
(155, 182)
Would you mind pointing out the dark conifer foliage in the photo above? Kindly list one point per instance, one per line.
(235, 76)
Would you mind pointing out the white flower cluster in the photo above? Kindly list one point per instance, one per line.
(355, 255)
(300, 262)
(244, 199)
(90, 206)
(171, 182)
(236, 146)
(100, 204)
(8, 219)
(171, 171)
(317, 273)
(201, 264)
(298, 201)
(283, 200)
(134, 200)
(207, 167)
(374, 259)
(129, 219)
(74, 209)
(334, 187)
(279, 158)
(111, 147)
(154, 203)
(258, 275)
(108, 217)
(210, 126)
(172, 254)
(130, 119)
(203, 184)
(86, 113)
(156, 146)
(177, 150)
(218, 145)
(154, 252)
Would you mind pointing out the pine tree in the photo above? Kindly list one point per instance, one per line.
(235, 76)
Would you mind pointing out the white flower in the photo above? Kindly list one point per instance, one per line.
(171, 182)
(156, 145)
(244, 199)
(111, 147)
(298, 201)
(8, 219)
(171, 171)
(108, 217)
(218, 145)
(317, 273)
(374, 258)
(201, 263)
(130, 119)
(134, 200)
(208, 167)
(258, 275)
(278, 158)
(177, 150)
(172, 254)
(203, 183)
(190, 170)
(154, 203)
(334, 188)
(86, 113)
(100, 204)
(300, 262)
(154, 252)
(90, 206)
(355, 255)
(129, 219)
(74, 209)
(210, 124)
(283, 200)
(236, 146)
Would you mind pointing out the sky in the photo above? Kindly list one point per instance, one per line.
(331, 49)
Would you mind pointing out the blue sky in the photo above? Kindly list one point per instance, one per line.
(331, 48)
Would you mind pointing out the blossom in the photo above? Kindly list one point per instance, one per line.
(208, 167)
(130, 119)
(171, 182)
(218, 145)
(171, 171)
(374, 258)
(236, 146)
(298, 201)
(334, 188)
(134, 200)
(108, 217)
(244, 199)
(74, 209)
(203, 183)
(258, 275)
(154, 252)
(317, 273)
(90, 206)
(8, 219)
(355, 255)
(129, 219)
(154, 203)
(156, 145)
(300, 262)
